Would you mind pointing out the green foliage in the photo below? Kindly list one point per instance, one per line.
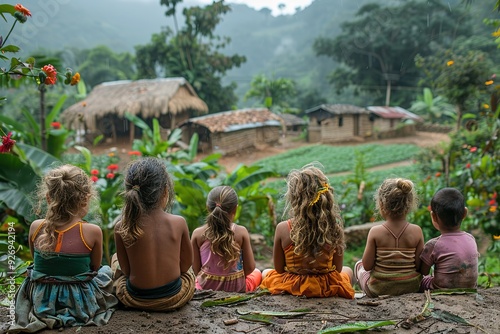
(101, 64)
(193, 52)
(459, 78)
(378, 46)
(433, 109)
(271, 92)
(338, 158)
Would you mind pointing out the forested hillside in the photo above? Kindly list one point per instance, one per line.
(275, 46)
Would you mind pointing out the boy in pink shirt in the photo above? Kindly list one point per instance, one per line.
(454, 253)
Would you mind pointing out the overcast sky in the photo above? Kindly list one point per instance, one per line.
(290, 5)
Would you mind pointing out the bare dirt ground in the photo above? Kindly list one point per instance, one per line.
(481, 310)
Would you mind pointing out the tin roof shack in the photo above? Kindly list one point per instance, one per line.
(391, 122)
(330, 123)
(230, 132)
(170, 100)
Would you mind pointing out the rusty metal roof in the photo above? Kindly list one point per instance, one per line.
(338, 109)
(228, 121)
(393, 113)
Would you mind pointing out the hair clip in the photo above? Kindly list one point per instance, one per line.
(321, 190)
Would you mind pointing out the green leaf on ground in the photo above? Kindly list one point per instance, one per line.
(356, 326)
(227, 301)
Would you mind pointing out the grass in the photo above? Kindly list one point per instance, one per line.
(337, 159)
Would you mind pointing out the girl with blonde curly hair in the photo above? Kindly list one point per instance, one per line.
(391, 260)
(223, 256)
(67, 286)
(309, 246)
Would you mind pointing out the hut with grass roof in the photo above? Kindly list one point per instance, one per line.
(170, 100)
(234, 131)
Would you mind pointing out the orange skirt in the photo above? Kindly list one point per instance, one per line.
(332, 284)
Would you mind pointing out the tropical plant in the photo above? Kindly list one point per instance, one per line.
(433, 109)
(462, 79)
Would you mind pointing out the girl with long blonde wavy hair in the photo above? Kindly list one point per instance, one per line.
(309, 246)
(223, 256)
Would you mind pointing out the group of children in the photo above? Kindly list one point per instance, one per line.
(158, 265)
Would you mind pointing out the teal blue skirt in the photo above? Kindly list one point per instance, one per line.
(44, 301)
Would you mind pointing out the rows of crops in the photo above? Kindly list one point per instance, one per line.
(339, 158)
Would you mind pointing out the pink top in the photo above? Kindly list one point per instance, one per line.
(214, 276)
(454, 256)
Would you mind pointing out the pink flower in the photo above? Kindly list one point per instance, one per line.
(110, 176)
(94, 178)
(473, 149)
(7, 143)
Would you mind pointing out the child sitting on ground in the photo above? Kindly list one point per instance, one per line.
(391, 260)
(67, 285)
(454, 253)
(308, 247)
(152, 246)
(223, 256)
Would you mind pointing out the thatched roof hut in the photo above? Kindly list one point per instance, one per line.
(171, 100)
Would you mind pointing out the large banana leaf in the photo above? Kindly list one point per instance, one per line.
(17, 184)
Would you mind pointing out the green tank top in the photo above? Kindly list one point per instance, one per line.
(61, 264)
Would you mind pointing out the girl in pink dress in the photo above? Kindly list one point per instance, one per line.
(223, 256)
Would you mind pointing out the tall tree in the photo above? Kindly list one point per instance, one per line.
(193, 52)
(101, 64)
(271, 92)
(377, 49)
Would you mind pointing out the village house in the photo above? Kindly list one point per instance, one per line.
(230, 132)
(170, 100)
(330, 123)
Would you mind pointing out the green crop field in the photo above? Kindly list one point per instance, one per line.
(339, 158)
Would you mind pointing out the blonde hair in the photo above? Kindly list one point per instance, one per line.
(316, 221)
(63, 192)
(396, 198)
(221, 205)
(147, 182)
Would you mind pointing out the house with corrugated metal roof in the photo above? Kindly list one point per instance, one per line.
(389, 118)
(330, 123)
(232, 131)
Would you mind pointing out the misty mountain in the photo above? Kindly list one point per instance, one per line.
(275, 46)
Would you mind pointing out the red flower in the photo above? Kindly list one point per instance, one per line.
(7, 143)
(112, 167)
(94, 172)
(492, 202)
(494, 195)
(94, 178)
(135, 153)
(438, 174)
(110, 175)
(473, 149)
(55, 125)
(468, 165)
(20, 8)
(51, 73)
